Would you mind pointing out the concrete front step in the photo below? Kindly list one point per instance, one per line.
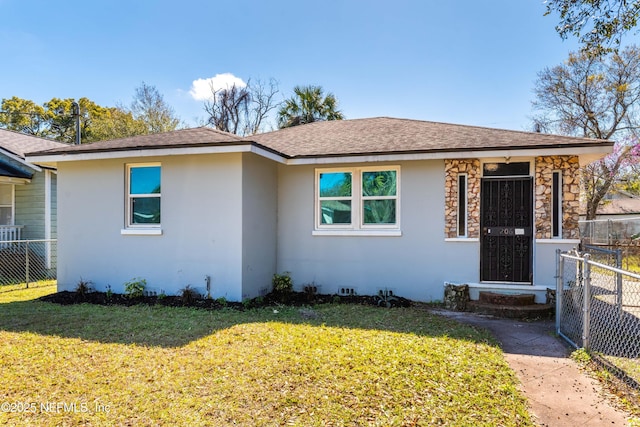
(531, 311)
(496, 298)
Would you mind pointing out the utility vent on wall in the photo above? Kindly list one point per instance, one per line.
(346, 291)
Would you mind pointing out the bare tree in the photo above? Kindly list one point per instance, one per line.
(241, 110)
(594, 97)
(150, 107)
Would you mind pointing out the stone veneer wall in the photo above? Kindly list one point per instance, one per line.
(452, 168)
(569, 165)
(544, 167)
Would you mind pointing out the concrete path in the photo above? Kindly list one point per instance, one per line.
(558, 391)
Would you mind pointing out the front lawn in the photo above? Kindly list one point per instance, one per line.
(333, 364)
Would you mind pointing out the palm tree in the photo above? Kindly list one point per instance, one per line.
(308, 105)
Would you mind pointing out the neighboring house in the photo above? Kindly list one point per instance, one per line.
(348, 206)
(27, 191)
(618, 205)
(617, 220)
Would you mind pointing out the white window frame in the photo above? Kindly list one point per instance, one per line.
(12, 205)
(462, 197)
(134, 228)
(357, 225)
(557, 203)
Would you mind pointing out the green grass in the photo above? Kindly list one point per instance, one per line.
(327, 365)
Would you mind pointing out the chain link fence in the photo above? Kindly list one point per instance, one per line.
(598, 309)
(25, 262)
(614, 234)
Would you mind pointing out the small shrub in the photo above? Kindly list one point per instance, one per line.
(134, 288)
(109, 292)
(189, 295)
(83, 288)
(282, 283)
(162, 295)
(222, 301)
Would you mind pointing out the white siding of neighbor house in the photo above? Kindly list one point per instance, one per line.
(259, 219)
(201, 211)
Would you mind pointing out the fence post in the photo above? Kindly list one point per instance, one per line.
(559, 287)
(586, 305)
(26, 266)
(619, 280)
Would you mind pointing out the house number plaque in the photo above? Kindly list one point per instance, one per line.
(507, 231)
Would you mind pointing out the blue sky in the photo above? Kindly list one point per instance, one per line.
(469, 62)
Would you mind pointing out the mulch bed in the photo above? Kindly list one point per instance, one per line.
(272, 299)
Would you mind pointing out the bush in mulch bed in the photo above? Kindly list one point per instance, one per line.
(274, 298)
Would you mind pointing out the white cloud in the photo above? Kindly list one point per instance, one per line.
(201, 88)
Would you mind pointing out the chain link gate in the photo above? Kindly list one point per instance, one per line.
(598, 309)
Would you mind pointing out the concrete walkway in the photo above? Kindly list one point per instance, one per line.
(558, 391)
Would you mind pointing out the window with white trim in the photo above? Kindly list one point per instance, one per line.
(143, 195)
(556, 204)
(462, 205)
(6, 204)
(357, 198)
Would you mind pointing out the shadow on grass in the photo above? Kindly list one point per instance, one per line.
(176, 326)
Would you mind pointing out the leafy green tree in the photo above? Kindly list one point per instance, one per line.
(309, 104)
(594, 97)
(22, 115)
(56, 119)
(598, 24)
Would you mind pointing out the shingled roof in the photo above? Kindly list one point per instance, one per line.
(380, 135)
(179, 138)
(19, 144)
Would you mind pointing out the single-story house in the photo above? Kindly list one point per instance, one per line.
(27, 191)
(352, 206)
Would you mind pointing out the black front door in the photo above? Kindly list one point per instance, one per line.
(506, 223)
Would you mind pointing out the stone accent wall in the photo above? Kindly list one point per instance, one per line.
(569, 165)
(544, 167)
(452, 168)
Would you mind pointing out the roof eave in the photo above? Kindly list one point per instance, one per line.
(586, 152)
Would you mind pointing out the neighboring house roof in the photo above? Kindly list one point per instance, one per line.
(19, 144)
(9, 171)
(13, 149)
(619, 207)
(342, 138)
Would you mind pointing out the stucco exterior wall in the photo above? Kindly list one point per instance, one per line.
(201, 226)
(413, 265)
(259, 219)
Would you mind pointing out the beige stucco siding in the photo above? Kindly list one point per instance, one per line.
(259, 219)
(414, 265)
(201, 226)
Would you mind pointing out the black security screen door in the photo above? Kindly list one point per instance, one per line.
(506, 223)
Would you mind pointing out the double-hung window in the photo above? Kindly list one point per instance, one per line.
(143, 196)
(358, 199)
(6, 204)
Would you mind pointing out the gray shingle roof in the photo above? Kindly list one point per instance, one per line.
(389, 135)
(20, 144)
(380, 135)
(178, 138)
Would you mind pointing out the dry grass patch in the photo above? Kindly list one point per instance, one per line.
(327, 365)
